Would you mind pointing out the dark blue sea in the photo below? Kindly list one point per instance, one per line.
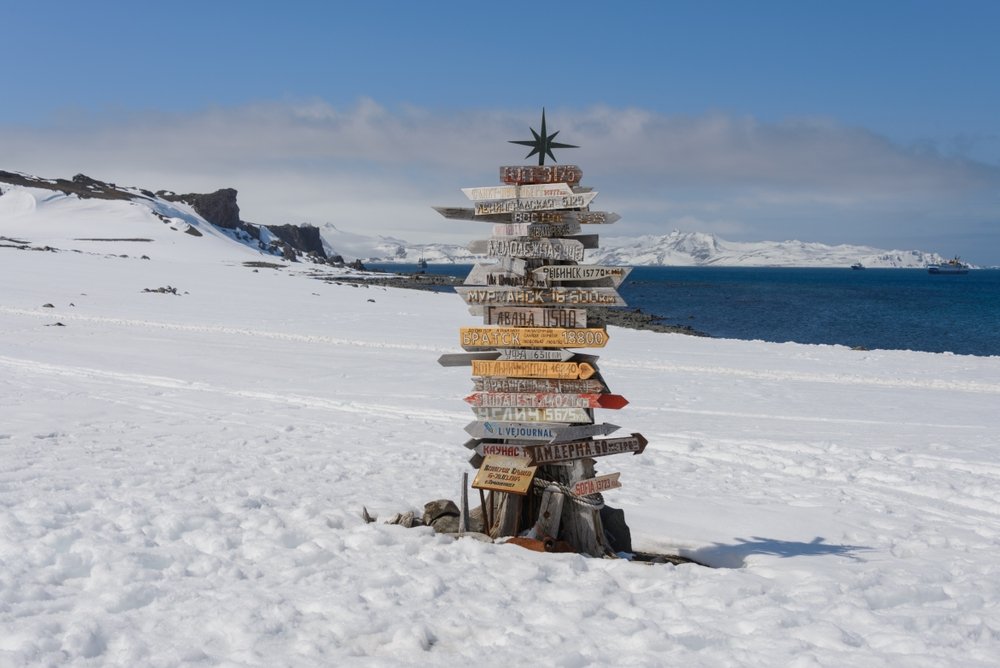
(895, 309)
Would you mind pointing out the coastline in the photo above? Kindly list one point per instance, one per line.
(631, 318)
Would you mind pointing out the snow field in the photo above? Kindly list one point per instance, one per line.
(181, 480)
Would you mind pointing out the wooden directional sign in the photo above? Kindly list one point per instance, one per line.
(501, 384)
(601, 483)
(504, 474)
(487, 448)
(515, 296)
(533, 355)
(546, 400)
(465, 359)
(581, 217)
(581, 272)
(531, 337)
(514, 316)
(559, 370)
(551, 453)
(494, 275)
(518, 192)
(574, 201)
(531, 414)
(535, 230)
(516, 431)
(576, 432)
(520, 174)
(530, 249)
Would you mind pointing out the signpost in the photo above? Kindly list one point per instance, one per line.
(532, 337)
(518, 174)
(504, 384)
(579, 217)
(535, 230)
(530, 414)
(552, 453)
(513, 316)
(574, 201)
(601, 483)
(518, 431)
(504, 474)
(580, 272)
(534, 397)
(547, 400)
(560, 370)
(530, 249)
(515, 296)
(518, 191)
(534, 354)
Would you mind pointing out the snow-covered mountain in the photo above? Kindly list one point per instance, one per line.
(699, 249)
(217, 215)
(675, 249)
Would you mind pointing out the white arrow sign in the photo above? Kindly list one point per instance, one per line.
(518, 192)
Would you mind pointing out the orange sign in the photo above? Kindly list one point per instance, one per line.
(504, 474)
(532, 337)
(518, 369)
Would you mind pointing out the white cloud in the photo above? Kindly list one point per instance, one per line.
(375, 170)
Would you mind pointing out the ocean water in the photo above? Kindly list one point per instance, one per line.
(895, 309)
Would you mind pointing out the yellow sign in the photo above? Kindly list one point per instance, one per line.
(505, 474)
(532, 337)
(519, 369)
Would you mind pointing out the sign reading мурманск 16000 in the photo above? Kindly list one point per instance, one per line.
(522, 296)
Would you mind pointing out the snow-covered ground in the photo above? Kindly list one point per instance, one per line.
(182, 477)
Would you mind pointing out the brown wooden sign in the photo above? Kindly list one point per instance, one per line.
(531, 337)
(581, 217)
(515, 296)
(518, 192)
(514, 431)
(559, 370)
(520, 174)
(487, 448)
(546, 400)
(531, 414)
(465, 359)
(531, 249)
(535, 230)
(579, 431)
(601, 483)
(581, 272)
(574, 201)
(513, 316)
(519, 385)
(504, 474)
(493, 275)
(551, 453)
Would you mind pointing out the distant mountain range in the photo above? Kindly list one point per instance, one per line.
(327, 243)
(676, 249)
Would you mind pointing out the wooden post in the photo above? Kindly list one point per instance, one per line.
(549, 516)
(463, 517)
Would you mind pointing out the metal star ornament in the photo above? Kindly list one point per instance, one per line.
(542, 144)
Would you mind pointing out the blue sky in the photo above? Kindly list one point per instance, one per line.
(839, 122)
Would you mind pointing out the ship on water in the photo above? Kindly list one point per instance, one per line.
(952, 266)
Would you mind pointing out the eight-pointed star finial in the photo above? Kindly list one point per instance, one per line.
(542, 144)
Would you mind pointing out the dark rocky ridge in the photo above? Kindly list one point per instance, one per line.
(218, 208)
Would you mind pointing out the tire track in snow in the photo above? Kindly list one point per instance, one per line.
(229, 331)
(798, 376)
(799, 418)
(166, 382)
